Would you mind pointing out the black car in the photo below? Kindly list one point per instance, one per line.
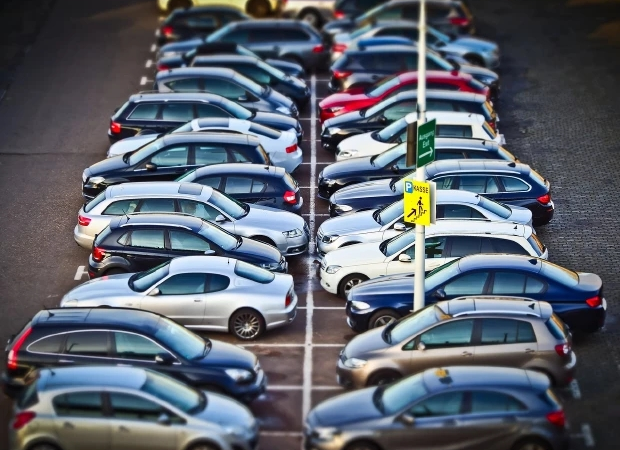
(507, 182)
(576, 297)
(137, 242)
(260, 72)
(227, 83)
(123, 336)
(367, 65)
(162, 113)
(251, 183)
(393, 162)
(170, 156)
(183, 53)
(187, 23)
(395, 107)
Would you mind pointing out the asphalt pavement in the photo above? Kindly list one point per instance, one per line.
(559, 112)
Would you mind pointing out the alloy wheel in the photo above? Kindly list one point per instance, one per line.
(246, 325)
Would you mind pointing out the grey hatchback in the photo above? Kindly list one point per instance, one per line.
(490, 408)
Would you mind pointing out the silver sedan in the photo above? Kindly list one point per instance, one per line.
(201, 292)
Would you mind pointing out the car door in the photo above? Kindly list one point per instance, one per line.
(249, 190)
(79, 421)
(166, 165)
(210, 154)
(180, 297)
(434, 251)
(471, 283)
(505, 342)
(185, 243)
(219, 303)
(135, 424)
(145, 248)
(173, 114)
(85, 347)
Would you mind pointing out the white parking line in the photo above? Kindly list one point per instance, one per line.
(80, 272)
(145, 80)
(574, 388)
(317, 215)
(153, 48)
(148, 64)
(587, 435)
(318, 163)
(284, 387)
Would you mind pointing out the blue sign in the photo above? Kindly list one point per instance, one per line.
(408, 187)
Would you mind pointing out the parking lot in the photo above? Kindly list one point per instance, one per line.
(559, 113)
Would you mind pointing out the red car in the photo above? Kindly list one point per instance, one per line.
(358, 98)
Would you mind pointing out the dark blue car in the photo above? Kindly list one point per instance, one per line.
(576, 297)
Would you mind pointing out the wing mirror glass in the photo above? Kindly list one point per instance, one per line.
(164, 419)
(421, 346)
(407, 419)
(220, 218)
(403, 257)
(399, 226)
(154, 292)
(440, 294)
(150, 167)
(165, 359)
(382, 119)
(210, 252)
(242, 98)
(395, 168)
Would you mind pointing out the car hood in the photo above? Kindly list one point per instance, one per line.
(344, 98)
(383, 286)
(342, 169)
(355, 255)
(472, 42)
(108, 165)
(363, 143)
(343, 120)
(130, 144)
(257, 251)
(373, 188)
(226, 412)
(275, 120)
(281, 99)
(363, 344)
(347, 408)
(273, 219)
(180, 47)
(108, 286)
(228, 355)
(289, 68)
(352, 223)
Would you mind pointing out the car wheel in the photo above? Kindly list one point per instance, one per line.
(115, 272)
(383, 377)
(264, 240)
(312, 16)
(348, 282)
(382, 318)
(531, 444)
(362, 445)
(43, 446)
(247, 324)
(174, 4)
(204, 446)
(474, 59)
(258, 8)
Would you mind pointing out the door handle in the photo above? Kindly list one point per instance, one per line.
(197, 300)
(66, 361)
(529, 350)
(466, 354)
(68, 425)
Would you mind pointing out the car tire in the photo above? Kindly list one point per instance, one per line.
(312, 16)
(174, 4)
(246, 324)
(474, 59)
(115, 272)
(531, 444)
(382, 377)
(264, 240)
(204, 446)
(382, 318)
(362, 445)
(259, 9)
(43, 446)
(348, 282)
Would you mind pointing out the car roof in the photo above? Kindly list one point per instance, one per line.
(241, 169)
(457, 195)
(212, 137)
(499, 261)
(176, 96)
(475, 227)
(436, 75)
(222, 72)
(472, 376)
(383, 49)
(159, 188)
(88, 317)
(179, 220)
(222, 57)
(440, 94)
(476, 165)
(202, 263)
(466, 143)
(203, 122)
(95, 376)
(509, 305)
(268, 23)
(450, 117)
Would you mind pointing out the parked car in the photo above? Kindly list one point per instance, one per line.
(228, 83)
(199, 292)
(448, 124)
(361, 98)
(315, 12)
(187, 23)
(512, 183)
(393, 108)
(280, 146)
(343, 268)
(291, 40)
(576, 297)
(251, 183)
(393, 161)
(260, 72)
(181, 54)
(255, 8)
(161, 113)
(115, 407)
(284, 230)
(139, 242)
(378, 225)
(347, 9)
(170, 156)
(66, 337)
(446, 408)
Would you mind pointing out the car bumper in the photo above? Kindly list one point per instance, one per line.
(542, 214)
(588, 320)
(248, 393)
(358, 321)
(349, 378)
(278, 319)
(288, 161)
(82, 239)
(329, 282)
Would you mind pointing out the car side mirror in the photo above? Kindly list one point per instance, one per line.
(405, 258)
(150, 167)
(421, 346)
(407, 419)
(243, 98)
(220, 218)
(164, 359)
(440, 294)
(382, 119)
(210, 252)
(164, 419)
(395, 168)
(155, 292)
(398, 226)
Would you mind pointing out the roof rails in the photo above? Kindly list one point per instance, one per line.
(527, 307)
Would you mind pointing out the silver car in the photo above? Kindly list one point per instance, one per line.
(381, 224)
(282, 229)
(315, 12)
(201, 292)
(111, 407)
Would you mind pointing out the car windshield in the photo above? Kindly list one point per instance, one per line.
(180, 340)
(173, 392)
(497, 208)
(394, 398)
(187, 177)
(397, 243)
(219, 236)
(389, 213)
(236, 109)
(254, 273)
(441, 274)
(395, 128)
(438, 34)
(141, 281)
(368, 14)
(229, 205)
(389, 156)
(272, 70)
(410, 325)
(143, 152)
(380, 88)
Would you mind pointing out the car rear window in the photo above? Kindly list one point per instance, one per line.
(557, 328)
(489, 131)
(103, 235)
(94, 202)
(265, 131)
(264, 154)
(538, 246)
(29, 396)
(538, 178)
(497, 208)
(254, 273)
(120, 110)
(290, 182)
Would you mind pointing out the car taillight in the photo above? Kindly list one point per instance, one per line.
(290, 197)
(161, 67)
(84, 221)
(167, 31)
(339, 75)
(544, 199)
(291, 149)
(318, 49)
(11, 361)
(594, 302)
(562, 349)
(22, 419)
(339, 48)
(98, 254)
(460, 21)
(339, 14)
(557, 418)
(115, 127)
(493, 125)
(288, 300)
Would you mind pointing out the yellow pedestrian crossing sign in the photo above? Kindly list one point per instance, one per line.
(419, 202)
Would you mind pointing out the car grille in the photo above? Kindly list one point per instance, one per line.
(319, 235)
(307, 230)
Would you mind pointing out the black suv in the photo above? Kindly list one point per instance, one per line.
(170, 156)
(163, 112)
(119, 336)
(137, 242)
(251, 183)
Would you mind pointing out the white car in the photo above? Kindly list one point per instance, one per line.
(377, 225)
(346, 267)
(281, 146)
(449, 124)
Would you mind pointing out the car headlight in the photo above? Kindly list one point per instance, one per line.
(329, 183)
(84, 177)
(284, 110)
(292, 233)
(359, 305)
(332, 130)
(355, 363)
(96, 180)
(240, 432)
(333, 269)
(335, 109)
(344, 208)
(325, 433)
(347, 153)
(329, 239)
(239, 375)
(269, 266)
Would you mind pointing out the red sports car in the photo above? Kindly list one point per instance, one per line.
(358, 98)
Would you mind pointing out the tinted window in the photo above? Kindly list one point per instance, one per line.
(209, 154)
(157, 205)
(560, 274)
(94, 202)
(237, 185)
(182, 241)
(557, 328)
(534, 286)
(240, 157)
(121, 208)
(463, 131)
(488, 402)
(237, 36)
(265, 131)
(186, 85)
(434, 246)
(468, 284)
(79, 404)
(478, 184)
(183, 284)
(203, 110)
(147, 239)
(180, 112)
(399, 110)
(214, 182)
(88, 343)
(509, 283)
(514, 184)
(458, 212)
(446, 404)
(254, 273)
(506, 331)
(146, 111)
(171, 157)
(398, 395)
(202, 210)
(536, 244)
(442, 155)
(133, 346)
(453, 334)
(508, 246)
(224, 88)
(291, 35)
(445, 182)
(50, 344)
(132, 407)
(218, 282)
(465, 245)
